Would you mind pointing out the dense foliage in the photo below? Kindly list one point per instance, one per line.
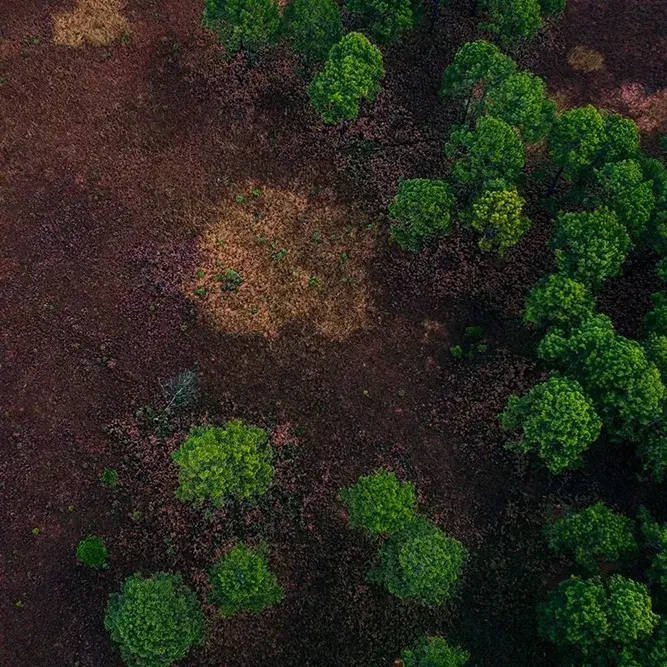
(380, 504)
(558, 299)
(420, 563)
(552, 7)
(434, 652)
(654, 536)
(242, 581)
(92, 551)
(557, 420)
(352, 73)
(592, 534)
(216, 464)
(312, 27)
(154, 620)
(421, 211)
(386, 19)
(513, 20)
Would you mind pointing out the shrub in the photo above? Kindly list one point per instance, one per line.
(92, 552)
(386, 19)
(422, 211)
(592, 534)
(379, 503)
(434, 652)
(243, 25)
(557, 299)
(420, 563)
(351, 73)
(557, 420)
(109, 477)
(621, 140)
(513, 20)
(312, 27)
(590, 246)
(242, 581)
(497, 215)
(521, 101)
(219, 463)
(155, 620)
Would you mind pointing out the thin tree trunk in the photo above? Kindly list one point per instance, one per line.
(554, 183)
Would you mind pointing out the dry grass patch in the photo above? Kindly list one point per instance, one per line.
(274, 257)
(583, 59)
(94, 21)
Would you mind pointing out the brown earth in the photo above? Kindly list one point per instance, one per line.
(112, 160)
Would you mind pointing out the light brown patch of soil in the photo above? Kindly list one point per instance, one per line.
(94, 21)
(583, 59)
(299, 257)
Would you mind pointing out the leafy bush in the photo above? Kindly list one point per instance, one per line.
(386, 19)
(242, 581)
(513, 20)
(352, 72)
(557, 299)
(155, 620)
(434, 652)
(243, 25)
(590, 246)
(557, 419)
(219, 463)
(93, 552)
(380, 503)
(498, 216)
(109, 477)
(422, 211)
(312, 27)
(420, 563)
(592, 534)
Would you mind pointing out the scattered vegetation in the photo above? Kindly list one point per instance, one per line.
(92, 551)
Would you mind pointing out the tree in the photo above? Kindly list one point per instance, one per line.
(621, 138)
(559, 300)
(477, 68)
(421, 211)
(590, 246)
(92, 552)
(155, 620)
(513, 20)
(651, 652)
(491, 153)
(552, 7)
(434, 652)
(624, 190)
(592, 534)
(420, 563)
(656, 172)
(312, 27)
(557, 419)
(220, 463)
(652, 450)
(654, 537)
(243, 25)
(242, 581)
(380, 504)
(630, 610)
(521, 101)
(498, 216)
(655, 321)
(386, 19)
(352, 73)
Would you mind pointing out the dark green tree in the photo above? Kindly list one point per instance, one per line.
(557, 420)
(352, 73)
(651, 652)
(387, 20)
(552, 7)
(92, 552)
(243, 25)
(421, 212)
(513, 20)
(154, 620)
(312, 27)
(558, 300)
(434, 652)
(380, 504)
(654, 536)
(590, 246)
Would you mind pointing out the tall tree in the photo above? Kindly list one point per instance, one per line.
(513, 20)
(312, 27)
(386, 19)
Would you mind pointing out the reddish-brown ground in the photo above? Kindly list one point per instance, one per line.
(111, 160)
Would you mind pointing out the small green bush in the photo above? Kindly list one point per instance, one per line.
(154, 620)
(421, 211)
(592, 534)
(558, 299)
(109, 477)
(242, 581)
(216, 464)
(380, 504)
(434, 652)
(92, 552)
(420, 563)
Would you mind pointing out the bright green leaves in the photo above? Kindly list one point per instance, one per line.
(559, 300)
(434, 652)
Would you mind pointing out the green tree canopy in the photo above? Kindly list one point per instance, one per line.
(386, 19)
(590, 246)
(654, 536)
(216, 464)
(420, 563)
(552, 7)
(592, 534)
(652, 450)
(243, 25)
(513, 20)
(621, 140)
(521, 101)
(352, 73)
(379, 503)
(421, 211)
(312, 27)
(434, 652)
(154, 620)
(557, 420)
(558, 299)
